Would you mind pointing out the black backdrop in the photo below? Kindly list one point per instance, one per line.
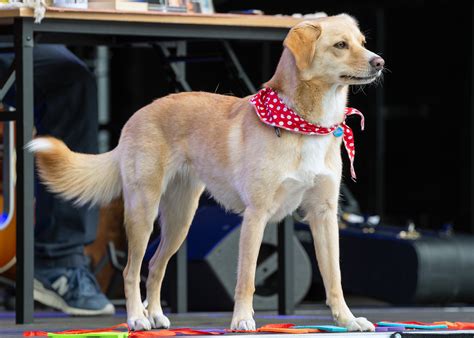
(427, 93)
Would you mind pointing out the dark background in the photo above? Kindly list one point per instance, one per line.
(427, 49)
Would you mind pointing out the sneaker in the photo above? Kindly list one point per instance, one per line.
(74, 291)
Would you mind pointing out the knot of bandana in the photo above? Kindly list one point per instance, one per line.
(272, 111)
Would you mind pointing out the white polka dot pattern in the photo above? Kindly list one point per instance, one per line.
(272, 111)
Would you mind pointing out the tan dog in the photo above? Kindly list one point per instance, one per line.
(174, 148)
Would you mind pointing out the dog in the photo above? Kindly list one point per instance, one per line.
(174, 148)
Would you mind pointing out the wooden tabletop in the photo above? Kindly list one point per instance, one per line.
(7, 15)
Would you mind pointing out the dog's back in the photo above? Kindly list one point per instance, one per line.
(158, 129)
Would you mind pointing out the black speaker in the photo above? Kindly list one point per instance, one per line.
(403, 267)
(403, 270)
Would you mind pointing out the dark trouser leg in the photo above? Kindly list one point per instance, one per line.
(66, 108)
(68, 111)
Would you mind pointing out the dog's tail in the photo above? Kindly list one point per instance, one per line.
(83, 178)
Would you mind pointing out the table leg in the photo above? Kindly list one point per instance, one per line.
(286, 299)
(23, 28)
(471, 130)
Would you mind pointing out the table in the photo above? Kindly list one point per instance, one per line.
(70, 25)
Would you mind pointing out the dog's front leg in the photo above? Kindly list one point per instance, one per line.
(251, 235)
(320, 204)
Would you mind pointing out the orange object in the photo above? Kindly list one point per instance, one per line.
(450, 325)
(8, 245)
(35, 334)
(285, 328)
(134, 334)
(7, 234)
(106, 329)
(160, 333)
(278, 326)
(457, 325)
(170, 332)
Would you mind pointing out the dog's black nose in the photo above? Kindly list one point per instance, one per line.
(377, 62)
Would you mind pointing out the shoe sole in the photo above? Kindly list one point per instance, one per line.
(51, 299)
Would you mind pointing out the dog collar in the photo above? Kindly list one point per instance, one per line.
(272, 111)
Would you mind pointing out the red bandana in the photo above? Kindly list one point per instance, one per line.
(272, 111)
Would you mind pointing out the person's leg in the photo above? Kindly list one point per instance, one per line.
(66, 101)
(65, 107)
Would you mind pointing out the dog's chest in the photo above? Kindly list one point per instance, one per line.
(312, 160)
(312, 163)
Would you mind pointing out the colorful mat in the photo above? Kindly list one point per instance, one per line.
(123, 331)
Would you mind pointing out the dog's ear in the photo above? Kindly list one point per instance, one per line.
(301, 41)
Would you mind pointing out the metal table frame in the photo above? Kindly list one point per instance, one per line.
(26, 33)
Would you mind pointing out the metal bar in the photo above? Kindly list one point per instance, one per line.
(471, 129)
(101, 71)
(8, 81)
(240, 70)
(380, 123)
(161, 30)
(24, 168)
(8, 84)
(266, 55)
(286, 299)
(179, 280)
(179, 70)
(182, 51)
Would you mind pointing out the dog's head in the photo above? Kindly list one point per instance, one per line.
(332, 50)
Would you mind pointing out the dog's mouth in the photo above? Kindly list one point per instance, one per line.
(359, 79)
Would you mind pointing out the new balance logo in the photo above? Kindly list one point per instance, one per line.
(61, 285)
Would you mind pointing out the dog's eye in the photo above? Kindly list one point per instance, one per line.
(341, 45)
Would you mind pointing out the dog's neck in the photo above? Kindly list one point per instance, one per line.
(317, 102)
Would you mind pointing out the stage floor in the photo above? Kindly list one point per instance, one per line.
(307, 315)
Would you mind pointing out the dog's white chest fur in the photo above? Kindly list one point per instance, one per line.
(313, 163)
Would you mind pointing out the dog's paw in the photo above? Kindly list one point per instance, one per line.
(159, 321)
(243, 325)
(359, 324)
(139, 324)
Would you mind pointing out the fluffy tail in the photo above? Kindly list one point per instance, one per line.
(79, 177)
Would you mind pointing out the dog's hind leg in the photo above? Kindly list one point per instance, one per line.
(141, 201)
(177, 208)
